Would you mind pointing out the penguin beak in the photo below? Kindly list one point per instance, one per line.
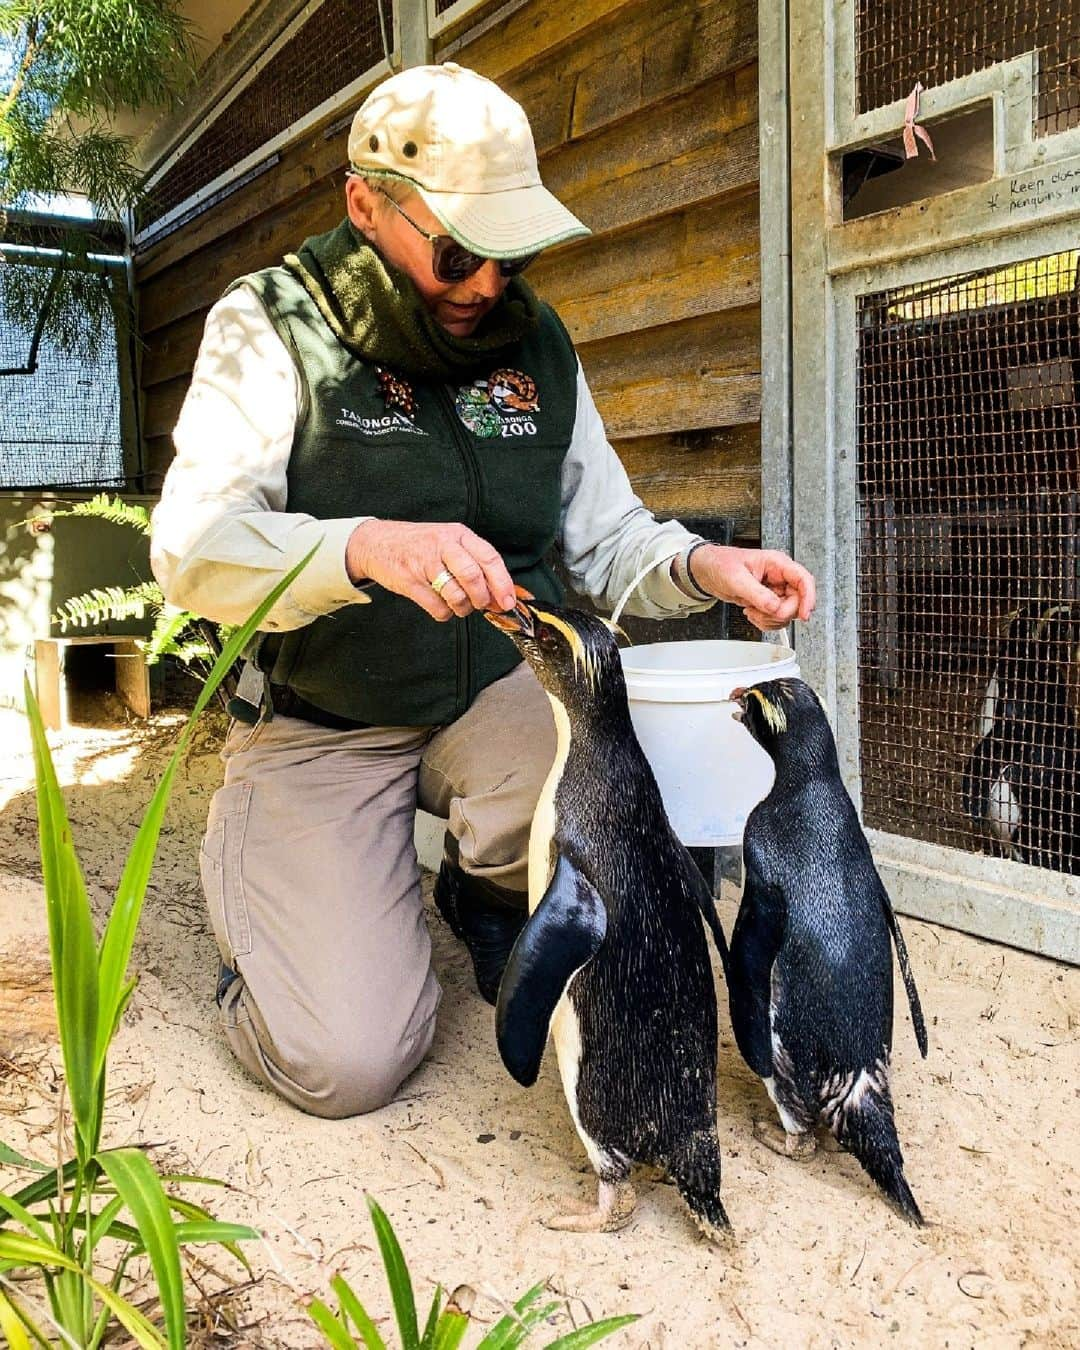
(517, 622)
(738, 698)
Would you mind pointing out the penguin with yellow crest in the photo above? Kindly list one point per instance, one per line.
(810, 973)
(613, 959)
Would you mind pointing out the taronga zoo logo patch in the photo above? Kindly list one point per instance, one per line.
(501, 405)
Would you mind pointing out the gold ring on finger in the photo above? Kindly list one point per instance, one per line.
(444, 577)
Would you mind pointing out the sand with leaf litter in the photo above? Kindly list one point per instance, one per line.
(464, 1161)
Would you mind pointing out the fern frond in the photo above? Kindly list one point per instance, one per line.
(111, 604)
(189, 653)
(114, 509)
(165, 638)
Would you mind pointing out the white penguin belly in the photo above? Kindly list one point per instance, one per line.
(1003, 810)
(566, 1033)
(543, 821)
(565, 1030)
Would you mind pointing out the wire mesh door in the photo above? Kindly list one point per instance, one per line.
(969, 607)
(899, 42)
(937, 482)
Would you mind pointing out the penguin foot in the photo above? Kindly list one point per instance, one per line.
(800, 1147)
(828, 1143)
(613, 1210)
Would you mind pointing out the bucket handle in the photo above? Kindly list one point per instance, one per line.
(781, 638)
(656, 562)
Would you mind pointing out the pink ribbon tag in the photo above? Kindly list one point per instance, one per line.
(912, 132)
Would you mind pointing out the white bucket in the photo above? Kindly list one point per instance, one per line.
(711, 772)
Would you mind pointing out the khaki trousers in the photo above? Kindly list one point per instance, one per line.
(313, 885)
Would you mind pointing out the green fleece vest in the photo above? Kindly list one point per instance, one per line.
(371, 443)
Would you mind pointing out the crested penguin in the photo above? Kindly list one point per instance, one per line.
(810, 971)
(613, 959)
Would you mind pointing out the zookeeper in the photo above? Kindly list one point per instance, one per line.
(395, 394)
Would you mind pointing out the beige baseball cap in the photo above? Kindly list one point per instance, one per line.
(467, 150)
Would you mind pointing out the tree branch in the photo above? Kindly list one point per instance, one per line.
(24, 69)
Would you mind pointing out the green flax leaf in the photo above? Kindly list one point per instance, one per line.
(397, 1276)
(11, 1325)
(26, 1251)
(72, 945)
(135, 1180)
(351, 1307)
(330, 1326)
(595, 1331)
(13, 1159)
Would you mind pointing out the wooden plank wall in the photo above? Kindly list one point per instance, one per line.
(645, 119)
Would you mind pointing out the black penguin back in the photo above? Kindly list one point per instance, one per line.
(811, 983)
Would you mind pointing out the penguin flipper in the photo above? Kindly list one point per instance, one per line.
(563, 933)
(915, 1006)
(755, 942)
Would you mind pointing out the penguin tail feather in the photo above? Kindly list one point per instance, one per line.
(696, 1173)
(869, 1131)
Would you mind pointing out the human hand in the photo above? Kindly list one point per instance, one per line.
(771, 588)
(406, 558)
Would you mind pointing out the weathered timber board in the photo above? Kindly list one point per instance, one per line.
(170, 351)
(712, 114)
(671, 268)
(703, 372)
(632, 62)
(158, 455)
(546, 27)
(714, 472)
(195, 285)
(162, 406)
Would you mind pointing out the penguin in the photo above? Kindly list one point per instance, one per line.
(613, 959)
(1021, 780)
(810, 970)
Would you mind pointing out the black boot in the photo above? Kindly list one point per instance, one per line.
(486, 917)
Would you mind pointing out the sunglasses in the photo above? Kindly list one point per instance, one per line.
(451, 261)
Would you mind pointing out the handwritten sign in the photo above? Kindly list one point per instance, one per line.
(1040, 188)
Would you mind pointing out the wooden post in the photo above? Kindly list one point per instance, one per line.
(414, 44)
(48, 674)
(132, 676)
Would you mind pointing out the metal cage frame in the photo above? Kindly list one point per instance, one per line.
(1029, 207)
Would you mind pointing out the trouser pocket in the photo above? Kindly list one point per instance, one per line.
(221, 867)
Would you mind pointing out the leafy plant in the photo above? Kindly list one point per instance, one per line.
(66, 67)
(58, 1223)
(179, 633)
(445, 1327)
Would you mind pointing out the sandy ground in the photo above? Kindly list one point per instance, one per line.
(464, 1160)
